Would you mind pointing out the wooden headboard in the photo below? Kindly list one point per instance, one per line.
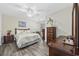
(20, 29)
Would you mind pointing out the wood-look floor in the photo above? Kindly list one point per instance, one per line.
(38, 49)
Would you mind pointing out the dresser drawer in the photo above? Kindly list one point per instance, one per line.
(50, 31)
(51, 28)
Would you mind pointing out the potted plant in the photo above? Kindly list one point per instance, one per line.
(50, 22)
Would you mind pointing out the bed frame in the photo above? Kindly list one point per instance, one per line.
(20, 29)
(26, 30)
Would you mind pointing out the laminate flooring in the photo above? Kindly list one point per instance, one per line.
(37, 49)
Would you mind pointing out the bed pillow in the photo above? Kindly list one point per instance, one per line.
(19, 31)
(27, 31)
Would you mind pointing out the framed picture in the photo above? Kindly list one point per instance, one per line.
(22, 24)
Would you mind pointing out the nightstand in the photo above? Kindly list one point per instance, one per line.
(8, 38)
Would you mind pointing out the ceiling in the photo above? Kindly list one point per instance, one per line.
(41, 9)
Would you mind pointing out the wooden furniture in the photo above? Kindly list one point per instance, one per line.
(58, 48)
(43, 32)
(51, 34)
(16, 29)
(8, 38)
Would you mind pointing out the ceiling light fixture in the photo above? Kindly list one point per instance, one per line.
(29, 10)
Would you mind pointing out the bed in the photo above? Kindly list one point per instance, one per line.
(24, 37)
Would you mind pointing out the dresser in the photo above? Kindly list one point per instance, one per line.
(51, 34)
(59, 48)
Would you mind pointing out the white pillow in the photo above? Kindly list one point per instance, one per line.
(19, 31)
(27, 31)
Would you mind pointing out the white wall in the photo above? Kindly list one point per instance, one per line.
(0, 28)
(10, 23)
(63, 21)
(34, 26)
